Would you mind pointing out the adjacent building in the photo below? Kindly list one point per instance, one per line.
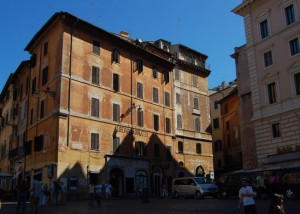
(273, 51)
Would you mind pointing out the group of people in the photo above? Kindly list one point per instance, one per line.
(247, 204)
(98, 193)
(40, 194)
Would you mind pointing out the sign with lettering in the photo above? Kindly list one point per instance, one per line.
(124, 129)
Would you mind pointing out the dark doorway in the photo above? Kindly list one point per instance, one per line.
(116, 180)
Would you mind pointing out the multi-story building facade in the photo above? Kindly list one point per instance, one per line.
(101, 109)
(248, 143)
(191, 111)
(273, 59)
(218, 129)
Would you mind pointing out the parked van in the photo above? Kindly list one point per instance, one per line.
(186, 187)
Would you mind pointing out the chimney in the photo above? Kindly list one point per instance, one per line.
(223, 85)
(124, 34)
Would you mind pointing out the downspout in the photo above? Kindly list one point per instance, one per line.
(26, 126)
(70, 79)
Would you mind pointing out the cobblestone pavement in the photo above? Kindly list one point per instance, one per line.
(154, 206)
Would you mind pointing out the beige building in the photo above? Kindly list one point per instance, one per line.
(273, 50)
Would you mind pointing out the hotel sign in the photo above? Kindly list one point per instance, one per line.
(124, 129)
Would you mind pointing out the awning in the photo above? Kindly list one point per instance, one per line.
(5, 175)
(283, 157)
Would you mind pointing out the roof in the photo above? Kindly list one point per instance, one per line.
(73, 19)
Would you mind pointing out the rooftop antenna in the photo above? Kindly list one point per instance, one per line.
(178, 30)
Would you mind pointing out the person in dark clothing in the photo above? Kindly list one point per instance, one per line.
(22, 189)
(276, 204)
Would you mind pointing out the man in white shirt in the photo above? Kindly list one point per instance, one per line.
(246, 195)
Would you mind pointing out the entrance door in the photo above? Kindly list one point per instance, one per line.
(157, 184)
(116, 180)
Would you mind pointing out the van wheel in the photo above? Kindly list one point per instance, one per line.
(198, 195)
(176, 195)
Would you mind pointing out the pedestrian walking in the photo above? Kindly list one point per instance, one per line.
(260, 184)
(46, 193)
(164, 191)
(108, 189)
(35, 190)
(276, 204)
(63, 193)
(246, 195)
(91, 191)
(98, 192)
(22, 189)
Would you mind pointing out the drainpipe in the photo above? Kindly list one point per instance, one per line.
(70, 79)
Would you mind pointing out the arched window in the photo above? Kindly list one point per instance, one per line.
(200, 171)
(197, 124)
(179, 122)
(141, 180)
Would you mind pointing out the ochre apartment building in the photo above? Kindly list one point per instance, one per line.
(101, 108)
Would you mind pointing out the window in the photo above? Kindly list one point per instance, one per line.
(154, 72)
(168, 125)
(198, 148)
(167, 99)
(289, 14)
(178, 98)
(139, 90)
(94, 141)
(156, 122)
(140, 117)
(116, 84)
(268, 58)
(156, 150)
(177, 74)
(197, 124)
(179, 122)
(116, 56)
(264, 31)
(166, 77)
(38, 143)
(33, 86)
(45, 48)
(96, 47)
(42, 110)
(216, 104)
(194, 80)
(272, 92)
(155, 95)
(294, 46)
(216, 123)
(116, 112)
(45, 75)
(95, 107)
(27, 86)
(95, 75)
(276, 130)
(218, 146)
(297, 83)
(226, 108)
(180, 147)
(196, 103)
(168, 152)
(140, 148)
(31, 116)
(219, 163)
(116, 145)
(139, 65)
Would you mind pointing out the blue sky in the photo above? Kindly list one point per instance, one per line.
(208, 27)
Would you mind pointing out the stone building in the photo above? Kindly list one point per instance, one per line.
(101, 109)
(272, 47)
